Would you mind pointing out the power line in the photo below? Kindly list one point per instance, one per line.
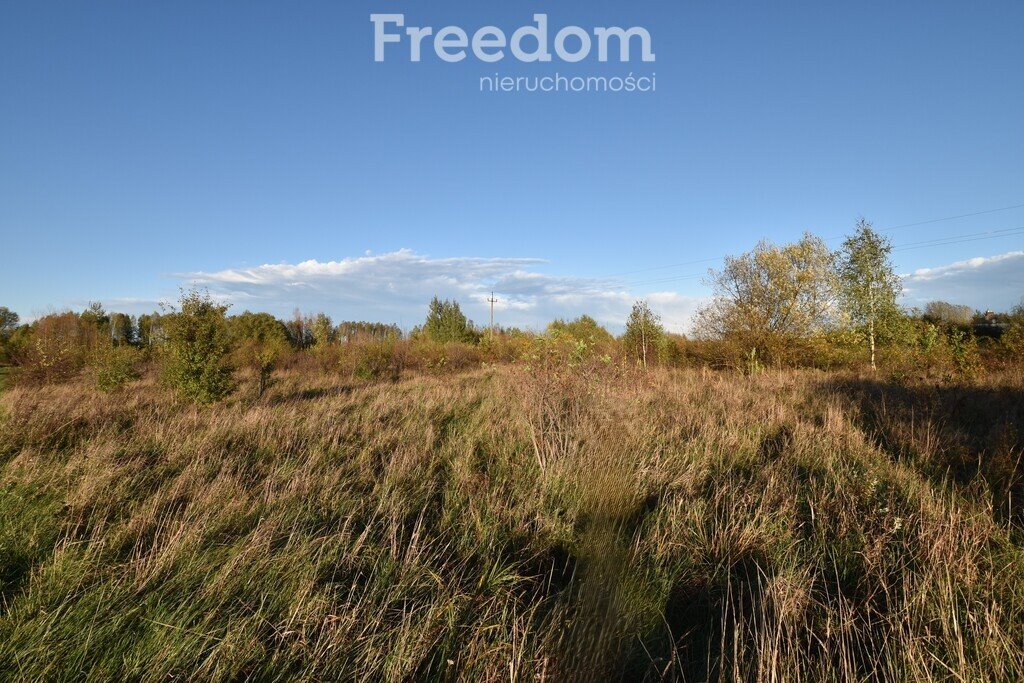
(957, 239)
(952, 218)
(910, 246)
(829, 239)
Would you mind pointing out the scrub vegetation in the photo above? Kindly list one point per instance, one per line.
(819, 486)
(542, 520)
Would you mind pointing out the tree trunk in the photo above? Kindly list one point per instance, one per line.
(643, 342)
(871, 336)
(871, 323)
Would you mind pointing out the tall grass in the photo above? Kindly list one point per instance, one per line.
(527, 522)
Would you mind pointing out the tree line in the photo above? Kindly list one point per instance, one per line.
(792, 304)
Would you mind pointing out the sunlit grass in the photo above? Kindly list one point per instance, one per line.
(525, 523)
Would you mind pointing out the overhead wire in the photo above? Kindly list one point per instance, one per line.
(829, 239)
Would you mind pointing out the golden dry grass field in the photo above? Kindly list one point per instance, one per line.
(516, 523)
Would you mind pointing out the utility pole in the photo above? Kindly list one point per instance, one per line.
(492, 300)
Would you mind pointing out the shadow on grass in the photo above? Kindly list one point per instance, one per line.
(311, 394)
(958, 433)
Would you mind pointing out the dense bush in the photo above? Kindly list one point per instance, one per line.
(115, 366)
(1013, 339)
(442, 357)
(195, 355)
(378, 359)
(260, 343)
(505, 347)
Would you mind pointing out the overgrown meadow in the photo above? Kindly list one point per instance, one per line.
(808, 491)
(559, 516)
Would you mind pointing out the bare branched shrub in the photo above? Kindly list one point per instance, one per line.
(58, 349)
(560, 380)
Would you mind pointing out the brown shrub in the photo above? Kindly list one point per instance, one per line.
(58, 349)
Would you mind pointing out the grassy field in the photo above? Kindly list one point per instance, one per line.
(516, 524)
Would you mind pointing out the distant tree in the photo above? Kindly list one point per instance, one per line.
(447, 323)
(257, 326)
(97, 317)
(15, 348)
(869, 284)
(8, 321)
(771, 294)
(583, 328)
(992, 318)
(321, 329)
(197, 348)
(122, 329)
(644, 333)
(350, 331)
(8, 324)
(299, 333)
(150, 330)
(950, 314)
(144, 327)
(58, 347)
(260, 341)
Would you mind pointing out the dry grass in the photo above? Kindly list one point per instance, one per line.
(523, 523)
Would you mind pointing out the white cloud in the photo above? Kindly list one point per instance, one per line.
(984, 282)
(397, 286)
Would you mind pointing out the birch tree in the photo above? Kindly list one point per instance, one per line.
(643, 333)
(868, 284)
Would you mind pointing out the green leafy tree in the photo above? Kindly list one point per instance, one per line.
(671, 350)
(321, 329)
(966, 357)
(122, 329)
(447, 323)
(150, 330)
(256, 326)
(8, 324)
(197, 348)
(98, 318)
(8, 321)
(869, 285)
(145, 327)
(260, 341)
(644, 333)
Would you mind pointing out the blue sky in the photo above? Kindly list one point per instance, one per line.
(258, 149)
